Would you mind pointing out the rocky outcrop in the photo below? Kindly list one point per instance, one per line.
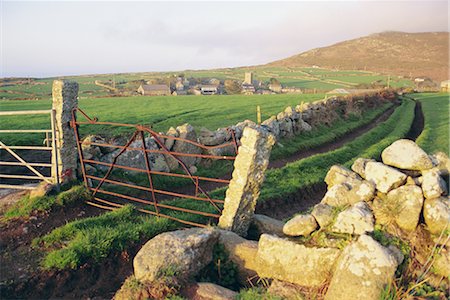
(183, 252)
(323, 214)
(362, 272)
(295, 263)
(405, 154)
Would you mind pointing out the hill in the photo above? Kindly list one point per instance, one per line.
(400, 53)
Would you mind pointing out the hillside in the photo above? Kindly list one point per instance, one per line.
(400, 53)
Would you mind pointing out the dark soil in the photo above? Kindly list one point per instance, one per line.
(102, 281)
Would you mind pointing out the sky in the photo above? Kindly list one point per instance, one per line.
(43, 39)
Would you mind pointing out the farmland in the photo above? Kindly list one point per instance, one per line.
(435, 136)
(159, 112)
(305, 78)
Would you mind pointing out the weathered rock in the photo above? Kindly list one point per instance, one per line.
(288, 261)
(184, 251)
(211, 291)
(91, 151)
(242, 252)
(300, 225)
(442, 162)
(357, 219)
(136, 159)
(285, 290)
(359, 166)
(401, 206)
(170, 142)
(323, 214)
(65, 99)
(286, 127)
(265, 224)
(363, 270)
(384, 177)
(211, 138)
(187, 132)
(338, 174)
(248, 175)
(441, 264)
(301, 126)
(273, 125)
(437, 214)
(337, 195)
(405, 154)
(90, 169)
(433, 185)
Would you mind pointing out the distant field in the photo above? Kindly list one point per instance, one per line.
(304, 78)
(160, 112)
(435, 136)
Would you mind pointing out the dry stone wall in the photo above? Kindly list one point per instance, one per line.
(292, 121)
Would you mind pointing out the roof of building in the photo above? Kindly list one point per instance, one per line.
(155, 87)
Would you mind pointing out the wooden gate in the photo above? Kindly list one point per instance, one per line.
(15, 167)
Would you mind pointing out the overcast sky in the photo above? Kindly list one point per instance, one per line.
(67, 38)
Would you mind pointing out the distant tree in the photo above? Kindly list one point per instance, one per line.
(274, 81)
(232, 87)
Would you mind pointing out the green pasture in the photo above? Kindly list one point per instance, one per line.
(435, 135)
(305, 78)
(161, 113)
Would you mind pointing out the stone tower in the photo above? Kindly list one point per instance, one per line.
(248, 78)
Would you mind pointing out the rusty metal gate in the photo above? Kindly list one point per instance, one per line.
(16, 167)
(108, 192)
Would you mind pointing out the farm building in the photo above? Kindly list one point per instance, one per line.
(445, 86)
(154, 90)
(208, 89)
(275, 87)
(248, 89)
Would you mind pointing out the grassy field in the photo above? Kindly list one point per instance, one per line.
(435, 136)
(304, 78)
(159, 112)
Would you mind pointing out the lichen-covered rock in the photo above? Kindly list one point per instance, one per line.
(169, 142)
(187, 132)
(210, 291)
(338, 174)
(433, 185)
(441, 264)
(437, 214)
(248, 175)
(92, 151)
(359, 166)
(288, 261)
(285, 290)
(385, 178)
(357, 219)
(402, 205)
(273, 125)
(300, 225)
(302, 126)
(442, 162)
(211, 138)
(336, 195)
(183, 251)
(242, 252)
(363, 270)
(265, 224)
(323, 214)
(405, 154)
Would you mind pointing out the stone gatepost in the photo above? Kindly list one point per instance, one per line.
(65, 98)
(248, 176)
